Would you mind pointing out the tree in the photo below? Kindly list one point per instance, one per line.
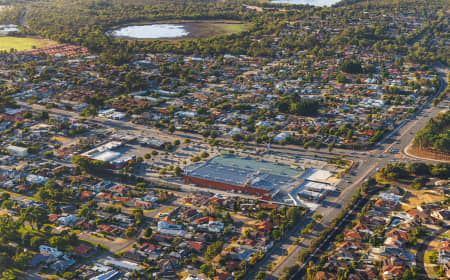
(195, 159)
(303, 255)
(276, 234)
(7, 204)
(148, 232)
(138, 215)
(341, 78)
(48, 154)
(69, 275)
(22, 260)
(91, 111)
(178, 171)
(261, 275)
(419, 169)
(204, 155)
(33, 149)
(5, 196)
(261, 215)
(40, 217)
(317, 216)
(84, 212)
(294, 214)
(330, 147)
(43, 115)
(351, 67)
(213, 250)
(58, 242)
(207, 269)
(130, 232)
(35, 241)
(81, 162)
(409, 274)
(420, 182)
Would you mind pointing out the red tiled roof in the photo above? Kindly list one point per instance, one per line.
(354, 235)
(264, 226)
(86, 194)
(198, 246)
(269, 206)
(83, 249)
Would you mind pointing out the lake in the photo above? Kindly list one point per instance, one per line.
(151, 31)
(8, 28)
(306, 2)
(178, 30)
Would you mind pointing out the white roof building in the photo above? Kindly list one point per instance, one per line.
(46, 250)
(31, 178)
(281, 137)
(17, 151)
(126, 265)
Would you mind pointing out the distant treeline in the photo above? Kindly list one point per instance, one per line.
(85, 22)
(349, 2)
(12, 15)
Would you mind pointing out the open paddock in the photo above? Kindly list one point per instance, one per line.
(8, 43)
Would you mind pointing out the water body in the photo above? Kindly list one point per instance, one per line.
(151, 31)
(306, 2)
(5, 29)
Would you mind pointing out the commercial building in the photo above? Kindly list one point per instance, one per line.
(303, 187)
(314, 191)
(246, 175)
(153, 142)
(106, 153)
(112, 114)
(121, 264)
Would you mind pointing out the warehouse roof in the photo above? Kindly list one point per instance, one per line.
(240, 171)
(107, 156)
(258, 165)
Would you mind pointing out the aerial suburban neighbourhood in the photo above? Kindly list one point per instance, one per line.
(247, 139)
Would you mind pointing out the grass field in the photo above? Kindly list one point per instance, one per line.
(22, 44)
(413, 198)
(208, 28)
(203, 30)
